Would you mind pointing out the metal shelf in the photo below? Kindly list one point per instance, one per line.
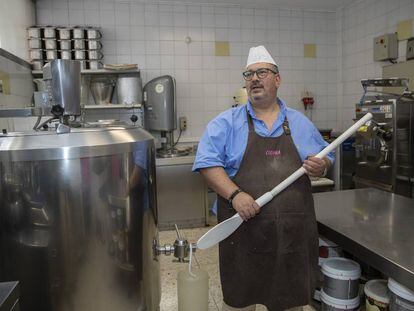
(112, 106)
(97, 71)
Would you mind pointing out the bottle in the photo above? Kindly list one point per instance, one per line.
(192, 290)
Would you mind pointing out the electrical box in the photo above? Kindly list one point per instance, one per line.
(410, 49)
(386, 47)
(183, 123)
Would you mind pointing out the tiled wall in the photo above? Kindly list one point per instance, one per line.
(358, 24)
(17, 88)
(153, 35)
(15, 17)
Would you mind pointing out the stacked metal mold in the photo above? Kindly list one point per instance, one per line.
(47, 43)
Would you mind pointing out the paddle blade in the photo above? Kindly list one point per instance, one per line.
(219, 232)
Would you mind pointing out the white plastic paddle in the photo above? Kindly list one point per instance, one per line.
(222, 230)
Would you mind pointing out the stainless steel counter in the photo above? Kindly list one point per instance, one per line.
(9, 296)
(175, 161)
(181, 194)
(374, 225)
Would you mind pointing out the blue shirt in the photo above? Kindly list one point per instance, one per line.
(225, 138)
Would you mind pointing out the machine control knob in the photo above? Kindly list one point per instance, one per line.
(134, 118)
(387, 136)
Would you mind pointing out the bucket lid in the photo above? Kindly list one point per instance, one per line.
(377, 290)
(340, 303)
(341, 268)
(400, 290)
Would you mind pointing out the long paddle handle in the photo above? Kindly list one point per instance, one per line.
(268, 196)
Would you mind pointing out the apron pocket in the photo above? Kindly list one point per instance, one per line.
(261, 234)
(291, 232)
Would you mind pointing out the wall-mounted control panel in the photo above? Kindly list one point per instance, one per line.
(386, 47)
(410, 49)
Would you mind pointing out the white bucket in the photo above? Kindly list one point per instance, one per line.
(341, 278)
(377, 297)
(402, 298)
(334, 304)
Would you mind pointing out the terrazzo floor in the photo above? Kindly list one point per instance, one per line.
(204, 259)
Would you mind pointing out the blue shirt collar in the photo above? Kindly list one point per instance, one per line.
(281, 103)
(280, 118)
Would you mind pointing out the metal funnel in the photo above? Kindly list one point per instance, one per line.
(102, 91)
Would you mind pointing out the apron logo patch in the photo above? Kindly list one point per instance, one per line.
(273, 153)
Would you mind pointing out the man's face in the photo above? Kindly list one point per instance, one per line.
(264, 89)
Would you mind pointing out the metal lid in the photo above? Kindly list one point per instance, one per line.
(80, 142)
(377, 290)
(341, 268)
(400, 290)
(341, 304)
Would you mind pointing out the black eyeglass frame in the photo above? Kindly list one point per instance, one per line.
(260, 76)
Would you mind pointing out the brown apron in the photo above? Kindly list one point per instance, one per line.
(272, 258)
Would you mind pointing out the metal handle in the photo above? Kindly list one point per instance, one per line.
(177, 231)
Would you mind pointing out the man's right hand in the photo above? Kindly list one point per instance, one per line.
(245, 206)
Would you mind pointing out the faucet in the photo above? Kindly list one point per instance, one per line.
(180, 248)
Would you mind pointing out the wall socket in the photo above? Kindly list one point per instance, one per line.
(183, 123)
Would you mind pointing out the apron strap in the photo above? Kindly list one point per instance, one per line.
(286, 128)
(249, 121)
(285, 124)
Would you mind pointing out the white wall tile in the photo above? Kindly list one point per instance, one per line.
(92, 17)
(107, 17)
(123, 48)
(123, 33)
(76, 17)
(61, 17)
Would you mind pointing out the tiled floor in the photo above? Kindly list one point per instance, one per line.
(204, 259)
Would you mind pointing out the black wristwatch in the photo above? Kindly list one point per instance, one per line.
(233, 195)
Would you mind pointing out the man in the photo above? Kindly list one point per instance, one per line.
(246, 151)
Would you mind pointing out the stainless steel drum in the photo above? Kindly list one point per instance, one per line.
(77, 219)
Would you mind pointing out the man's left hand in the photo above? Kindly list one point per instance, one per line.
(315, 167)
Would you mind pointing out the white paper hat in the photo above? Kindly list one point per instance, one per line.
(259, 54)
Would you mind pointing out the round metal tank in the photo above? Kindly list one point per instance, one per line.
(77, 219)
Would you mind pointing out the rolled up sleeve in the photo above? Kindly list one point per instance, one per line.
(320, 144)
(212, 146)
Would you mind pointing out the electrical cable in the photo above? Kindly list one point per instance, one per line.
(47, 121)
(39, 118)
(178, 139)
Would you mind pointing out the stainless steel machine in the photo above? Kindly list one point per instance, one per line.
(384, 149)
(161, 113)
(78, 217)
(78, 212)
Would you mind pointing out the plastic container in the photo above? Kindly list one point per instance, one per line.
(376, 295)
(341, 278)
(333, 304)
(401, 298)
(192, 290)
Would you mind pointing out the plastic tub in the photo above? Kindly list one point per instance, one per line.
(376, 295)
(341, 278)
(401, 298)
(333, 304)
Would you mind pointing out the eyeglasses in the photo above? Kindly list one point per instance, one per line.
(261, 73)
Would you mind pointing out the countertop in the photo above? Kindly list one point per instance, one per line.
(374, 225)
(189, 159)
(9, 294)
